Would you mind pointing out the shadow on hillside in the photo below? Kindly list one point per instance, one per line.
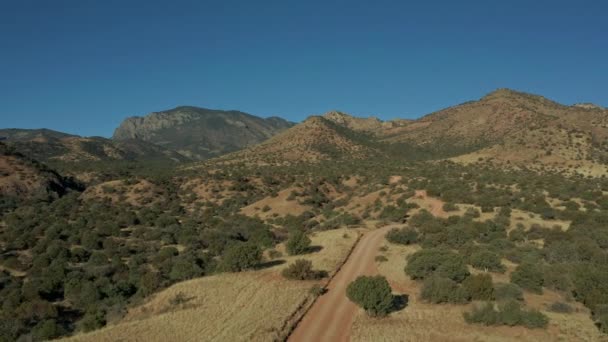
(271, 263)
(399, 302)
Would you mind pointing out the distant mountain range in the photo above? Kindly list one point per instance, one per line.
(503, 127)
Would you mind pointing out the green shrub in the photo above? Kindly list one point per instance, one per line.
(436, 261)
(509, 313)
(528, 276)
(241, 256)
(372, 293)
(403, 236)
(449, 206)
(298, 243)
(508, 291)
(479, 287)
(302, 269)
(380, 258)
(437, 289)
(487, 261)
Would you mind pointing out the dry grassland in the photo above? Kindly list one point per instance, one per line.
(248, 306)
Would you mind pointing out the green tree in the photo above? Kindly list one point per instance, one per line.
(372, 293)
(404, 236)
(487, 261)
(528, 276)
(479, 287)
(436, 261)
(437, 289)
(241, 256)
(302, 269)
(298, 243)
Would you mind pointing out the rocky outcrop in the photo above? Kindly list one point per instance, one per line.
(200, 133)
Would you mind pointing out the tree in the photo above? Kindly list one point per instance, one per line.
(404, 236)
(372, 293)
(241, 256)
(46, 330)
(479, 287)
(529, 276)
(302, 269)
(298, 243)
(508, 291)
(436, 261)
(184, 268)
(437, 289)
(487, 261)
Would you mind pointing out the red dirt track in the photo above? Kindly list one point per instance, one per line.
(331, 317)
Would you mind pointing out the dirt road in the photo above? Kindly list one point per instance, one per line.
(331, 317)
(432, 204)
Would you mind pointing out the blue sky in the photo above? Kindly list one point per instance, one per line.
(82, 66)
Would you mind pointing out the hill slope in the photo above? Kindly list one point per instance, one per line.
(48, 145)
(313, 140)
(24, 178)
(200, 133)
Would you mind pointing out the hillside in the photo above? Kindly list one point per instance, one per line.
(200, 133)
(311, 141)
(48, 145)
(498, 115)
(22, 178)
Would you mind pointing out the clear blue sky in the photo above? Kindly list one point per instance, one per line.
(82, 66)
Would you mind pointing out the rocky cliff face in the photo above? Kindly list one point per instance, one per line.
(200, 133)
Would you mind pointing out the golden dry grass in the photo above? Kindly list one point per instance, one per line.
(248, 306)
(428, 322)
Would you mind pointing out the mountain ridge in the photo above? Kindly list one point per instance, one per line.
(200, 133)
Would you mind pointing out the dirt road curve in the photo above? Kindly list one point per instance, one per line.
(331, 317)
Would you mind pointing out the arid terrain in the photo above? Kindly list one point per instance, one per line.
(485, 221)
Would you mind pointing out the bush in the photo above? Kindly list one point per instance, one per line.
(302, 269)
(380, 258)
(373, 294)
(436, 261)
(298, 243)
(241, 256)
(438, 289)
(404, 236)
(528, 276)
(479, 287)
(449, 206)
(487, 261)
(508, 291)
(509, 313)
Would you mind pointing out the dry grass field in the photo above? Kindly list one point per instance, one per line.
(247, 306)
(430, 322)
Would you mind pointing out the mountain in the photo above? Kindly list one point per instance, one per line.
(315, 139)
(24, 178)
(506, 127)
(200, 133)
(48, 145)
(497, 116)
